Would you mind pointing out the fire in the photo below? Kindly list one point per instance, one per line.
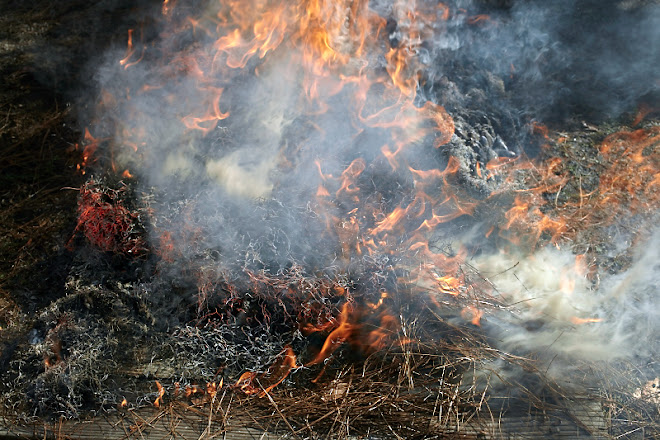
(200, 394)
(167, 6)
(130, 52)
(382, 298)
(472, 314)
(161, 393)
(389, 222)
(262, 383)
(541, 129)
(367, 329)
(339, 51)
(349, 177)
(383, 335)
(448, 284)
(209, 120)
(628, 183)
(340, 334)
(642, 112)
(91, 144)
(579, 321)
(191, 390)
(478, 19)
(212, 389)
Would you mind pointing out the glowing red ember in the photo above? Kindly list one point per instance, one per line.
(106, 222)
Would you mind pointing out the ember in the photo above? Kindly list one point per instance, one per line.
(106, 223)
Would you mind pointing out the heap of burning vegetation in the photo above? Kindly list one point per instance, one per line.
(329, 213)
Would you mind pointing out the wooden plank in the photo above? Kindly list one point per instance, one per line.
(140, 424)
(582, 420)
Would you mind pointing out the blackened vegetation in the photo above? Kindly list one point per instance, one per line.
(557, 62)
(43, 48)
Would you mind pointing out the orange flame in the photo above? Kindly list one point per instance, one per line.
(130, 51)
(349, 176)
(538, 128)
(358, 327)
(161, 393)
(628, 183)
(90, 146)
(192, 390)
(167, 7)
(478, 19)
(338, 336)
(448, 284)
(472, 314)
(580, 321)
(262, 383)
(209, 120)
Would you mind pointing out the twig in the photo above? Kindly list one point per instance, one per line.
(293, 431)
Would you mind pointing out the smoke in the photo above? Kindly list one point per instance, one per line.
(200, 122)
(233, 136)
(560, 316)
(272, 159)
(555, 60)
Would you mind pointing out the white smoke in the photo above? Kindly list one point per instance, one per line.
(550, 302)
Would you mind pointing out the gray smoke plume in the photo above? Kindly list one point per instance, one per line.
(235, 158)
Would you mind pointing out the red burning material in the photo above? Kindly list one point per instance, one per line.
(106, 222)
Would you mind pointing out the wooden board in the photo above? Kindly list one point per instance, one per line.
(583, 420)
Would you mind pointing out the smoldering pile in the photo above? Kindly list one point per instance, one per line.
(126, 323)
(258, 216)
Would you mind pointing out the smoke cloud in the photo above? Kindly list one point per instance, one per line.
(558, 310)
(260, 160)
